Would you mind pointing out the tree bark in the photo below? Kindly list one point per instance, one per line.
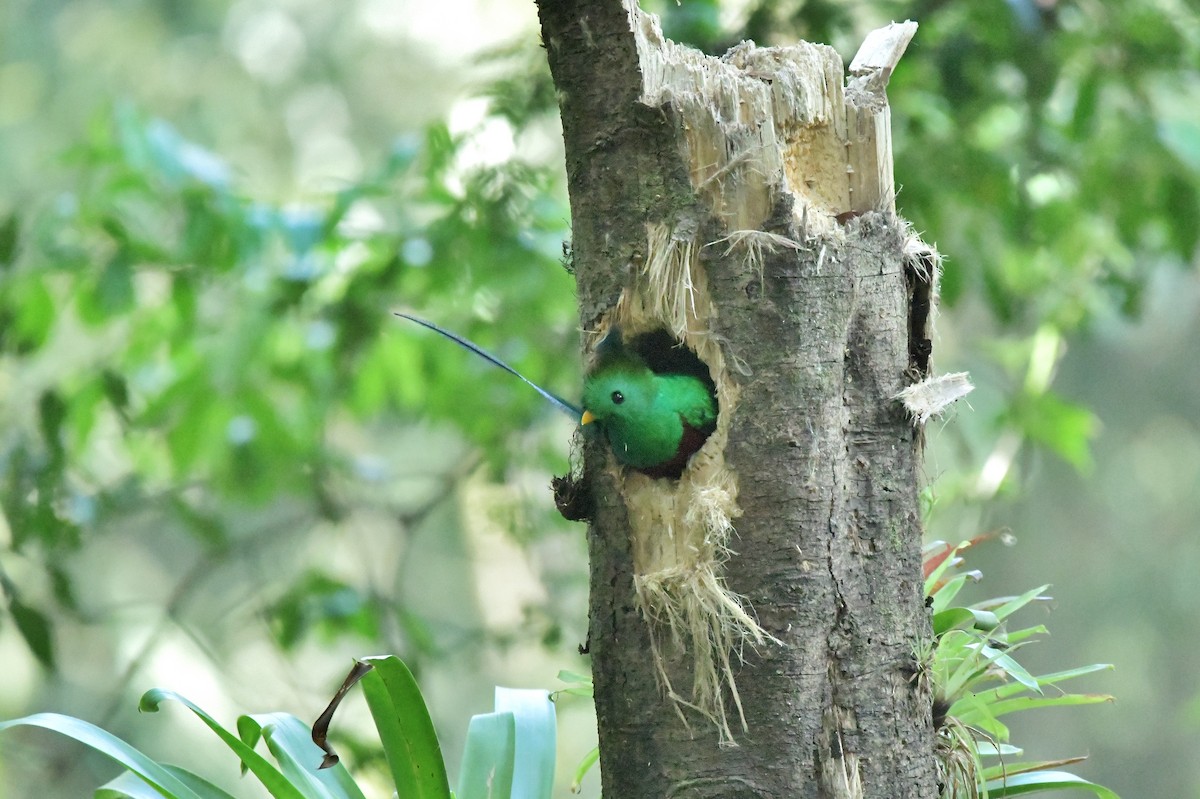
(783, 180)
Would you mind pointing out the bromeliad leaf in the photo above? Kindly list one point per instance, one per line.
(270, 776)
(534, 755)
(130, 786)
(487, 764)
(1010, 667)
(1004, 607)
(972, 651)
(953, 618)
(1010, 770)
(945, 594)
(406, 731)
(1013, 689)
(163, 780)
(1013, 639)
(1037, 782)
(290, 742)
(1034, 702)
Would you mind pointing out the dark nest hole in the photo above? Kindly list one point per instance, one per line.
(664, 354)
(920, 274)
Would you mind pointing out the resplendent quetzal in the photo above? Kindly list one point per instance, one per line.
(651, 399)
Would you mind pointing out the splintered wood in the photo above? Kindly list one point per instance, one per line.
(760, 130)
(760, 122)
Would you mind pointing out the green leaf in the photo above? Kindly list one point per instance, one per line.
(205, 526)
(116, 389)
(1009, 770)
(1066, 428)
(34, 311)
(271, 778)
(1085, 104)
(1021, 636)
(164, 781)
(1012, 689)
(487, 764)
(183, 298)
(1032, 702)
(533, 714)
(994, 749)
(130, 786)
(1182, 137)
(290, 741)
(943, 595)
(583, 691)
(319, 604)
(198, 431)
(34, 626)
(972, 711)
(1070, 674)
(946, 560)
(405, 729)
(566, 675)
(9, 234)
(585, 765)
(579, 689)
(952, 618)
(112, 293)
(1023, 784)
(62, 586)
(1011, 667)
(1004, 607)
(957, 662)
(52, 412)
(178, 159)
(126, 786)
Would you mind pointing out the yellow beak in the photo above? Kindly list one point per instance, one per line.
(587, 418)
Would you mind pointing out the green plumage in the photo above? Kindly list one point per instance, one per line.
(653, 400)
(654, 421)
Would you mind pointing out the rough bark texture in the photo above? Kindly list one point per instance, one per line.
(820, 328)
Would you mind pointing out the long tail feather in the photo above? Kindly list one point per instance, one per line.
(572, 410)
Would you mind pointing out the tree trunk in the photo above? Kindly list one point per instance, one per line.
(808, 299)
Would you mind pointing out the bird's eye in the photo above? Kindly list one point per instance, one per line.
(617, 397)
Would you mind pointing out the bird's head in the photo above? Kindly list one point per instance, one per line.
(617, 394)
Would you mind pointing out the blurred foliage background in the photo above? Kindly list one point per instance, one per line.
(226, 469)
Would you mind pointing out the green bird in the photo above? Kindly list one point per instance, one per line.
(655, 407)
(651, 399)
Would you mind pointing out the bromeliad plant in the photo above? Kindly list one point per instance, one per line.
(976, 680)
(971, 668)
(509, 753)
